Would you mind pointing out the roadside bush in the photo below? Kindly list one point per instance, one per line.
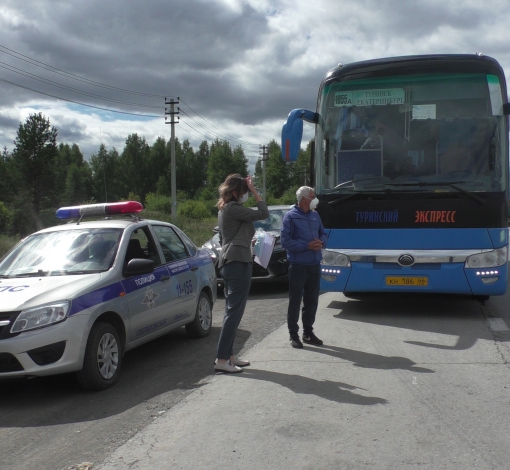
(6, 243)
(133, 197)
(158, 202)
(5, 218)
(193, 210)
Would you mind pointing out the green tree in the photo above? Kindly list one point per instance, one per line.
(159, 163)
(277, 172)
(136, 174)
(7, 177)
(105, 169)
(5, 218)
(223, 161)
(73, 176)
(34, 155)
(300, 169)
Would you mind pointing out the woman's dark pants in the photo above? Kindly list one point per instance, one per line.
(237, 281)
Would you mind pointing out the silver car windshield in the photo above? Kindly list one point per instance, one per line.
(273, 222)
(63, 252)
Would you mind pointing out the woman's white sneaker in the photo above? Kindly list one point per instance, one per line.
(240, 363)
(227, 367)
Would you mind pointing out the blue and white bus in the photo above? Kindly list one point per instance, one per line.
(410, 164)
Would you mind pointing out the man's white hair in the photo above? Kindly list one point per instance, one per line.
(303, 191)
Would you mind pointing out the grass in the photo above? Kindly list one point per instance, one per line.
(199, 231)
(6, 243)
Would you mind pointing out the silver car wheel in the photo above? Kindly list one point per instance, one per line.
(204, 313)
(107, 356)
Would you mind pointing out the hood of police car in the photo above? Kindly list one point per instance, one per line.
(27, 292)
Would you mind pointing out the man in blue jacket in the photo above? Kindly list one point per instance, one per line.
(303, 237)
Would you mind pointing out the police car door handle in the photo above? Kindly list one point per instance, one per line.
(164, 278)
(194, 268)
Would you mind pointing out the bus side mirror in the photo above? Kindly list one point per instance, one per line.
(292, 132)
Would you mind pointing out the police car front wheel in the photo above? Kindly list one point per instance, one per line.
(200, 327)
(101, 364)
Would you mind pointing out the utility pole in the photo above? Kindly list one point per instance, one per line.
(263, 150)
(169, 119)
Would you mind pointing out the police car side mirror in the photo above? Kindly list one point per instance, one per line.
(216, 229)
(138, 266)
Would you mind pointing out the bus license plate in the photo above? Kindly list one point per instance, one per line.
(414, 281)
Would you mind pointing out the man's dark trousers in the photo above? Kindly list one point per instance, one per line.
(304, 284)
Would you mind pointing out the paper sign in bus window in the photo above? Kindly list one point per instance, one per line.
(380, 97)
(424, 111)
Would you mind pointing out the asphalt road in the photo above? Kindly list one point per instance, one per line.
(49, 423)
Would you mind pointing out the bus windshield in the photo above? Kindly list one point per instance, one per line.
(409, 133)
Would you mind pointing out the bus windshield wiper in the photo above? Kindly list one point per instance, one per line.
(452, 185)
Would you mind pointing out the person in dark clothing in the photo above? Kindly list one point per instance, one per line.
(303, 237)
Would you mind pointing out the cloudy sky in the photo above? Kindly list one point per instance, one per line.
(100, 70)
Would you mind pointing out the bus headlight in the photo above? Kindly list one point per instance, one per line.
(334, 258)
(489, 259)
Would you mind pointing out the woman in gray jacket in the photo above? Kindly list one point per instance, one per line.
(236, 232)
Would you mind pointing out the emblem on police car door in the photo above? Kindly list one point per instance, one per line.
(150, 298)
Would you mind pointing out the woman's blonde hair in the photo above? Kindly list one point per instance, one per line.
(234, 182)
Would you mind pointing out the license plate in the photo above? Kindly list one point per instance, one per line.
(414, 281)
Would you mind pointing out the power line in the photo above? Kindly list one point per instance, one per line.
(50, 68)
(65, 87)
(215, 133)
(73, 76)
(248, 143)
(77, 102)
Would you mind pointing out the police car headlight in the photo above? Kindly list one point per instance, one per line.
(489, 259)
(39, 317)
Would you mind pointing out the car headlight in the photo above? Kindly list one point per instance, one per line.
(489, 259)
(333, 258)
(39, 317)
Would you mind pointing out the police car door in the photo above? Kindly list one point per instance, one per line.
(183, 271)
(148, 295)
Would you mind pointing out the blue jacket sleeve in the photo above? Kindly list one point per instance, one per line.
(286, 237)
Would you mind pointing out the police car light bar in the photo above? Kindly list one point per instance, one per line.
(94, 210)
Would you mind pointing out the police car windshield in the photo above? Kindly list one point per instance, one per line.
(62, 252)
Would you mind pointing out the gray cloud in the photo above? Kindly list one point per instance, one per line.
(242, 65)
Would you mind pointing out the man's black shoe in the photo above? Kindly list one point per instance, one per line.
(296, 342)
(311, 339)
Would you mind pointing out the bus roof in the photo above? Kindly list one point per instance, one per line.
(416, 64)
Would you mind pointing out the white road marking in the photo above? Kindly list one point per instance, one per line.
(497, 324)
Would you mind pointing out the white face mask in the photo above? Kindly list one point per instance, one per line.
(244, 198)
(314, 203)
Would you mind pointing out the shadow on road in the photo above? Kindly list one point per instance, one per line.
(171, 362)
(371, 361)
(435, 313)
(327, 389)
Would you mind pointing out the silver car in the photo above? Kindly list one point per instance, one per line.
(76, 297)
(278, 267)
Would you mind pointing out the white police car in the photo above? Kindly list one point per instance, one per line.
(76, 297)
